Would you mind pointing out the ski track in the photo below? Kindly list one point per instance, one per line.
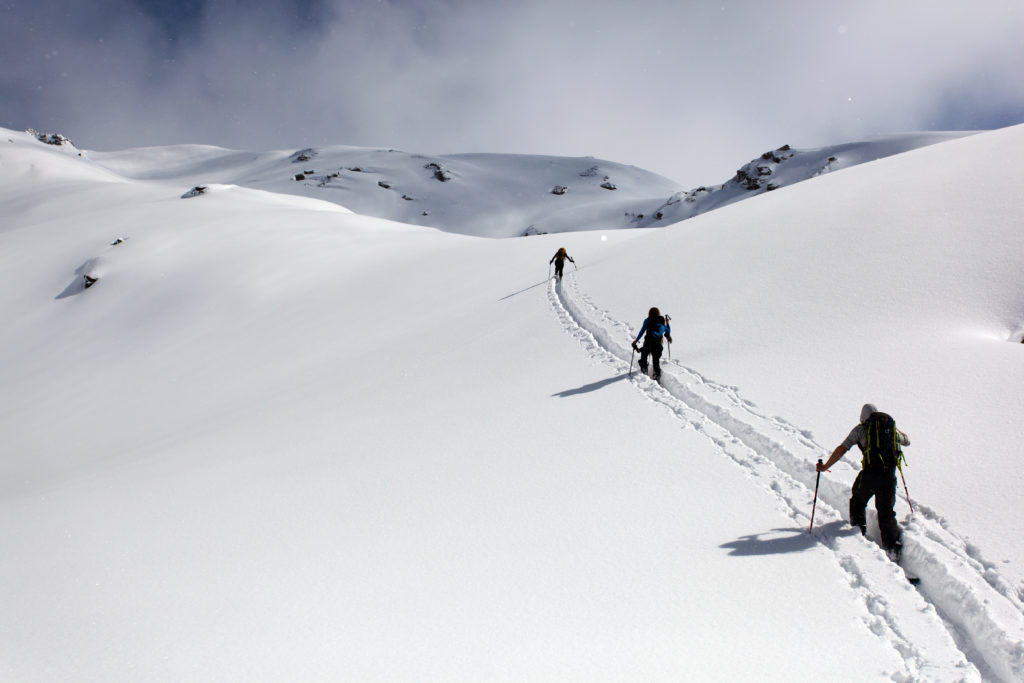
(973, 618)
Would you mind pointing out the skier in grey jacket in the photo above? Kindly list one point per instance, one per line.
(876, 478)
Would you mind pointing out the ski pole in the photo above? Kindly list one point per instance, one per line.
(906, 492)
(816, 482)
(668, 319)
(631, 360)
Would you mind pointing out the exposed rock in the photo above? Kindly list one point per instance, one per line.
(49, 138)
(559, 189)
(303, 155)
(694, 194)
(440, 173)
(779, 155)
(195, 191)
(328, 178)
(752, 176)
(827, 167)
(746, 180)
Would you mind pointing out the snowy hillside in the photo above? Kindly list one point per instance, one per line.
(785, 166)
(278, 440)
(488, 195)
(493, 195)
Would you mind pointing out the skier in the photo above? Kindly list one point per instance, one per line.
(559, 260)
(879, 441)
(655, 327)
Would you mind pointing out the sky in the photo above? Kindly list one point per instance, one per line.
(690, 90)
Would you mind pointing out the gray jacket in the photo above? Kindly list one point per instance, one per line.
(859, 436)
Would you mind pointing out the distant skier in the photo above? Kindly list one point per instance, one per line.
(880, 442)
(653, 329)
(559, 260)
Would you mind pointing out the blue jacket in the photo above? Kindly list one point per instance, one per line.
(657, 331)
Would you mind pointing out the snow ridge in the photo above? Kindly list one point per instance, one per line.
(963, 622)
(493, 195)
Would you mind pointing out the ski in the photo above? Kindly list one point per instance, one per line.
(896, 557)
(912, 578)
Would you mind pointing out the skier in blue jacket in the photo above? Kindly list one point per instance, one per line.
(653, 329)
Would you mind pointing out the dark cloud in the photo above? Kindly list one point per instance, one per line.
(177, 20)
(690, 90)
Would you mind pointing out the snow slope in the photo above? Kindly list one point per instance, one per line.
(786, 166)
(493, 195)
(277, 440)
(490, 195)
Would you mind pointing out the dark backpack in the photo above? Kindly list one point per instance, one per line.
(655, 330)
(883, 443)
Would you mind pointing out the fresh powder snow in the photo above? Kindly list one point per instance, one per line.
(302, 432)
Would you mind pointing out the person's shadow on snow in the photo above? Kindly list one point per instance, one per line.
(781, 541)
(593, 386)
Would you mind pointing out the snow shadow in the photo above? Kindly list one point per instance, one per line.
(527, 289)
(593, 386)
(78, 285)
(774, 542)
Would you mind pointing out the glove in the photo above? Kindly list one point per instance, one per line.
(634, 345)
(669, 337)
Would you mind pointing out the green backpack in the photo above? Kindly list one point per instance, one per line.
(883, 450)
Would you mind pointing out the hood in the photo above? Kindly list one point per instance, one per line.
(867, 411)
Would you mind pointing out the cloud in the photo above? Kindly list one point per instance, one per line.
(689, 90)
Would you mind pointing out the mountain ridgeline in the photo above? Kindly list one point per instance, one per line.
(491, 195)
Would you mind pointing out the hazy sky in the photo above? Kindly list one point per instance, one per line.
(689, 89)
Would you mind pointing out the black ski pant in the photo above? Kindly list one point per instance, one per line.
(652, 349)
(880, 483)
(559, 264)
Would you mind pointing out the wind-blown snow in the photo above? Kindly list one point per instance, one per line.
(277, 440)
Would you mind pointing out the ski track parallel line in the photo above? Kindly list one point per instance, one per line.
(956, 583)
